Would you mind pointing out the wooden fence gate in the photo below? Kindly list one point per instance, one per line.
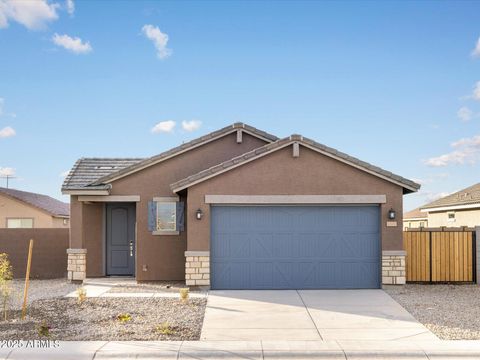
(440, 255)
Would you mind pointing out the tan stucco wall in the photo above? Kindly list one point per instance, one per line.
(414, 223)
(281, 174)
(469, 218)
(163, 255)
(11, 208)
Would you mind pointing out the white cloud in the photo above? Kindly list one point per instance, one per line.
(467, 151)
(476, 51)
(33, 14)
(159, 39)
(70, 5)
(7, 171)
(476, 91)
(64, 174)
(465, 114)
(7, 132)
(432, 178)
(74, 44)
(191, 125)
(422, 181)
(164, 127)
(432, 196)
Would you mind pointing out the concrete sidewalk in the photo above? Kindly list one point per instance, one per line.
(257, 350)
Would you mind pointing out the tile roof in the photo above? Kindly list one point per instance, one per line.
(409, 186)
(52, 206)
(414, 214)
(468, 196)
(179, 149)
(87, 170)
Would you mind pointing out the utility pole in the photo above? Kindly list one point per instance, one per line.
(7, 177)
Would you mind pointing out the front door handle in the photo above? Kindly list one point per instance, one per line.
(131, 248)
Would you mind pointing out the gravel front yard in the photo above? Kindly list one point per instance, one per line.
(40, 289)
(98, 319)
(452, 312)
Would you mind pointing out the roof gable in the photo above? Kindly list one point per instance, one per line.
(45, 203)
(91, 174)
(469, 196)
(407, 185)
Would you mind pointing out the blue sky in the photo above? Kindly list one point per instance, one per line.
(393, 83)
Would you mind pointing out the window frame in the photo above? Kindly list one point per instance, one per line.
(451, 219)
(165, 200)
(19, 218)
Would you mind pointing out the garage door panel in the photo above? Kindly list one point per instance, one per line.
(290, 247)
(232, 275)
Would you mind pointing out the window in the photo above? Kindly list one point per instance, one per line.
(422, 224)
(20, 223)
(166, 216)
(451, 216)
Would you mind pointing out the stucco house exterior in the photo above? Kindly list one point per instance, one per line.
(23, 209)
(461, 208)
(415, 219)
(239, 209)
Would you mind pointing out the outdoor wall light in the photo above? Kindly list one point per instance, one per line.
(391, 214)
(199, 214)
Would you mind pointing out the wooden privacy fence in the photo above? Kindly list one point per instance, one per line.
(440, 255)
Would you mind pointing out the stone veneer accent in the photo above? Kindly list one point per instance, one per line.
(77, 264)
(197, 268)
(393, 267)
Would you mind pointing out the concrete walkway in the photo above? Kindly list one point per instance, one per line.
(100, 288)
(306, 315)
(74, 350)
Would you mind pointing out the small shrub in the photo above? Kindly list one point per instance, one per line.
(44, 329)
(124, 318)
(6, 289)
(184, 294)
(81, 295)
(165, 328)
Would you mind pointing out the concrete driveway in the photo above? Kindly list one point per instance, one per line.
(309, 315)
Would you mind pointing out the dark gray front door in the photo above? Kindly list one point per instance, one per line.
(295, 247)
(120, 239)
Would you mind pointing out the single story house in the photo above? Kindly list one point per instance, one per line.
(461, 208)
(415, 219)
(22, 209)
(239, 209)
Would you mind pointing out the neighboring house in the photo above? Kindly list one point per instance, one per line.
(415, 219)
(239, 209)
(22, 209)
(458, 209)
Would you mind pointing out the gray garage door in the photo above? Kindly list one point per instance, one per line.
(295, 247)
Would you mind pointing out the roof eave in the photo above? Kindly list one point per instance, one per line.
(451, 207)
